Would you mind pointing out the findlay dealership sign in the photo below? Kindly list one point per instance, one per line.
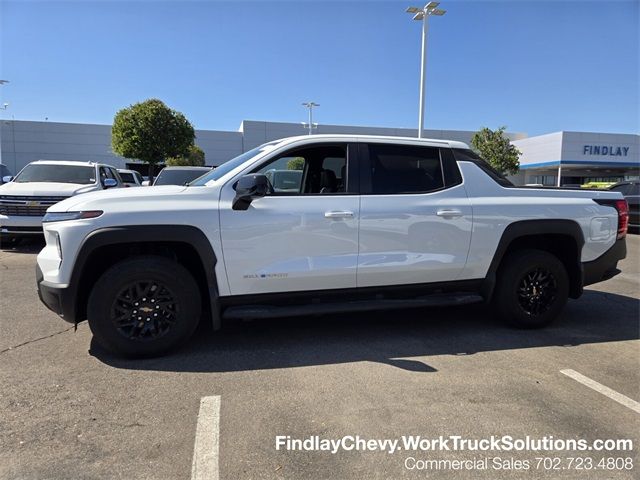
(610, 150)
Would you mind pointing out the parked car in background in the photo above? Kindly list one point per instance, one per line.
(25, 199)
(130, 178)
(179, 175)
(5, 174)
(598, 185)
(631, 192)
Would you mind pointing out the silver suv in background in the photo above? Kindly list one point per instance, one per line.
(630, 189)
(5, 174)
(25, 199)
(130, 178)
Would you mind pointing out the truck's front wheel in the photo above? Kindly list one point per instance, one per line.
(144, 306)
(532, 288)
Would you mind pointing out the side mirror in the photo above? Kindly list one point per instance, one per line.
(109, 183)
(248, 189)
(7, 179)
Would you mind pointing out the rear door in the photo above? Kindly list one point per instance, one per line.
(415, 216)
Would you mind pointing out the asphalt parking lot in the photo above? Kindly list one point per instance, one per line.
(70, 410)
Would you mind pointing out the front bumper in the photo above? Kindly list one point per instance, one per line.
(605, 266)
(58, 300)
(20, 225)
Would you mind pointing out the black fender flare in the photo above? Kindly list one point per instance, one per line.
(524, 228)
(188, 234)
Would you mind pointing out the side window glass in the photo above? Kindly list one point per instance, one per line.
(103, 174)
(310, 171)
(399, 169)
(115, 175)
(285, 173)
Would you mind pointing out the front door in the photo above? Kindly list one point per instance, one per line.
(301, 236)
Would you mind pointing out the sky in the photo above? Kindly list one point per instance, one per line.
(533, 66)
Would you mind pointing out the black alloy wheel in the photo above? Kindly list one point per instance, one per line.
(144, 310)
(537, 291)
(532, 288)
(144, 306)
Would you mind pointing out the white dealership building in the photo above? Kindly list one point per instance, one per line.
(578, 156)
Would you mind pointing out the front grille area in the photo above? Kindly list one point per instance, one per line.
(26, 206)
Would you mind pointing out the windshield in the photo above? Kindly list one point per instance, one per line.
(226, 167)
(177, 177)
(81, 174)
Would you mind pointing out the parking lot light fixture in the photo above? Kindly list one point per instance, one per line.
(423, 14)
(310, 125)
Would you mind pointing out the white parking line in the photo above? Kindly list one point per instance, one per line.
(205, 450)
(598, 387)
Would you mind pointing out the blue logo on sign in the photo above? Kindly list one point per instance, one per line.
(605, 150)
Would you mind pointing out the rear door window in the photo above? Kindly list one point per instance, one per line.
(401, 169)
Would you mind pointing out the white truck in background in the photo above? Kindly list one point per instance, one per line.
(25, 198)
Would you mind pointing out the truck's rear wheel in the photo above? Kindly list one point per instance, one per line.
(144, 306)
(532, 288)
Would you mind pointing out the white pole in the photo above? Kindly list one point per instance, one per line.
(559, 172)
(423, 72)
(310, 119)
(4, 108)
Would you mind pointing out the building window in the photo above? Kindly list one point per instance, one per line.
(549, 180)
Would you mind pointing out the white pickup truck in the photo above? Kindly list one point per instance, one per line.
(25, 198)
(374, 223)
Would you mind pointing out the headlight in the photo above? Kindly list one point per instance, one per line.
(64, 216)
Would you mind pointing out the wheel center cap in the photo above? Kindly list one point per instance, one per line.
(146, 309)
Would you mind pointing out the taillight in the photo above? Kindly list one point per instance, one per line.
(622, 208)
(623, 217)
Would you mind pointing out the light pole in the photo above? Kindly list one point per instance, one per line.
(310, 125)
(4, 107)
(559, 183)
(423, 14)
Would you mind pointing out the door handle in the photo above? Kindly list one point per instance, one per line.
(341, 214)
(449, 213)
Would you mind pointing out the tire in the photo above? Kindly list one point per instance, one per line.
(532, 288)
(129, 291)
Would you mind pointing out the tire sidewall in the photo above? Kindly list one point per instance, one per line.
(167, 272)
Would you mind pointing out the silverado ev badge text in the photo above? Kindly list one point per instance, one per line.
(605, 150)
(266, 275)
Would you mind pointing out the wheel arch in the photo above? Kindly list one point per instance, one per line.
(185, 243)
(563, 238)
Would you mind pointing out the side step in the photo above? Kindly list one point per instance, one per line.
(256, 312)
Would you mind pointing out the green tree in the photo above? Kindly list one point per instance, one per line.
(496, 148)
(151, 132)
(194, 157)
(296, 163)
